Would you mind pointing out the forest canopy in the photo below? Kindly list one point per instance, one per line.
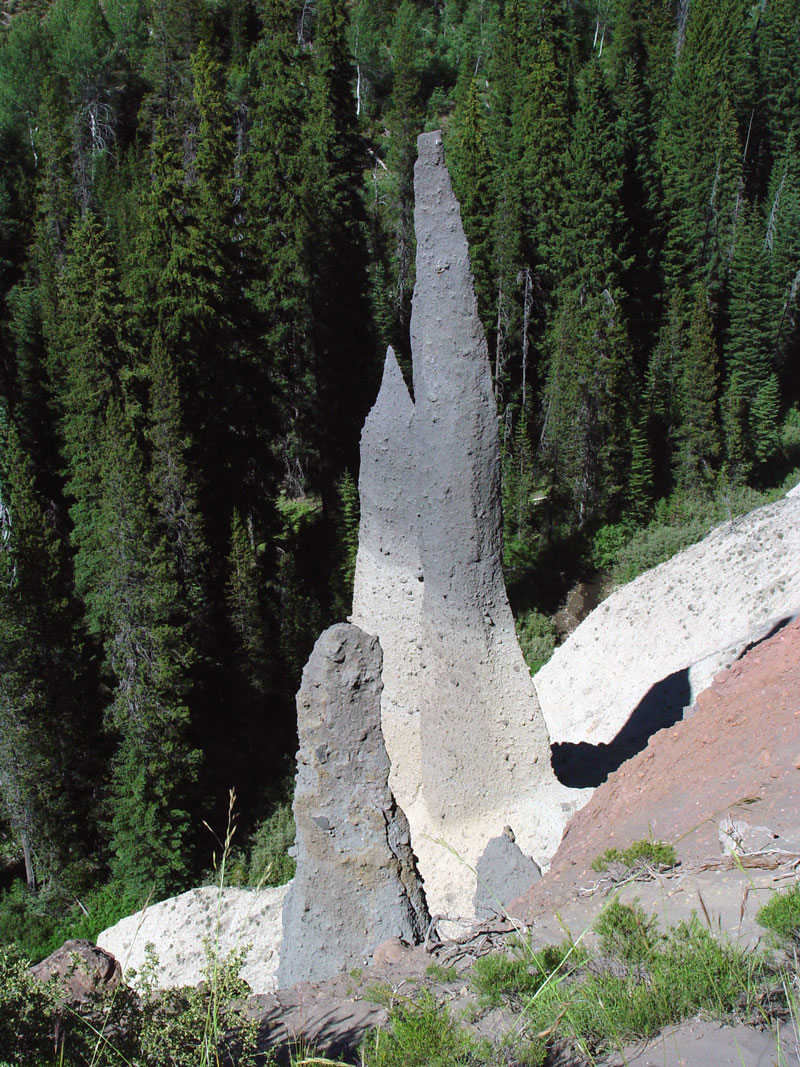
(206, 243)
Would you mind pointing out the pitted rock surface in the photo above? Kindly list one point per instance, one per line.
(388, 586)
(668, 632)
(356, 883)
(179, 929)
(468, 744)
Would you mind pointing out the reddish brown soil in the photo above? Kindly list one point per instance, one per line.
(737, 755)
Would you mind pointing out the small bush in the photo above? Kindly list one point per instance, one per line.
(270, 862)
(421, 1034)
(607, 544)
(499, 978)
(639, 854)
(781, 916)
(27, 1012)
(37, 924)
(537, 638)
(625, 931)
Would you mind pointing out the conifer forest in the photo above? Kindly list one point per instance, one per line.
(206, 244)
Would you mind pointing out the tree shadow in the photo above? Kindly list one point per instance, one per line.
(581, 765)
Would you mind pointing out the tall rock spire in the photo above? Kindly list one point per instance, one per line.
(468, 744)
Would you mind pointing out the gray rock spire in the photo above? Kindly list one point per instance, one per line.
(356, 883)
(468, 744)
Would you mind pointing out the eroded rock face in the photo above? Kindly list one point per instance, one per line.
(468, 744)
(388, 587)
(668, 632)
(504, 874)
(356, 883)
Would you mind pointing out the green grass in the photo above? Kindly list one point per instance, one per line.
(514, 979)
(625, 931)
(639, 854)
(781, 916)
(422, 1033)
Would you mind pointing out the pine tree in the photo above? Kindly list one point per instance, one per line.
(48, 708)
(335, 255)
(150, 657)
(276, 237)
(404, 121)
(698, 432)
(471, 170)
(750, 344)
(588, 400)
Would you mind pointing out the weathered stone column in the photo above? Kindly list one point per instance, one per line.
(356, 883)
(469, 748)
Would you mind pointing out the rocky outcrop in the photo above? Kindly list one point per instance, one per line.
(468, 744)
(179, 929)
(80, 971)
(645, 652)
(356, 883)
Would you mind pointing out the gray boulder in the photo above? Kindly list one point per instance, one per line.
(356, 883)
(504, 874)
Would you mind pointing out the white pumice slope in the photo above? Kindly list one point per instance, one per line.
(179, 929)
(696, 614)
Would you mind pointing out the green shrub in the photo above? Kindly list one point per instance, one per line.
(781, 916)
(421, 1034)
(681, 520)
(270, 862)
(194, 1026)
(38, 925)
(27, 1013)
(607, 544)
(537, 638)
(625, 931)
(640, 853)
(499, 978)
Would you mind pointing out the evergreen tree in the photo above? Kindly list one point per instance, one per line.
(150, 656)
(587, 421)
(276, 237)
(86, 367)
(698, 446)
(404, 121)
(750, 344)
(335, 255)
(471, 170)
(48, 709)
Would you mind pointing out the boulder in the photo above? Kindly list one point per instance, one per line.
(81, 970)
(504, 874)
(356, 884)
(181, 927)
(642, 656)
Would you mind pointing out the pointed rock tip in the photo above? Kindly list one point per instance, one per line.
(430, 148)
(393, 383)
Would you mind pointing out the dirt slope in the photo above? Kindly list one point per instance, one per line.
(737, 756)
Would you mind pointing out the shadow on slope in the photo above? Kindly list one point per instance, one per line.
(581, 765)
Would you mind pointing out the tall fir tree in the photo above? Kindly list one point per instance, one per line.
(335, 255)
(49, 706)
(698, 445)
